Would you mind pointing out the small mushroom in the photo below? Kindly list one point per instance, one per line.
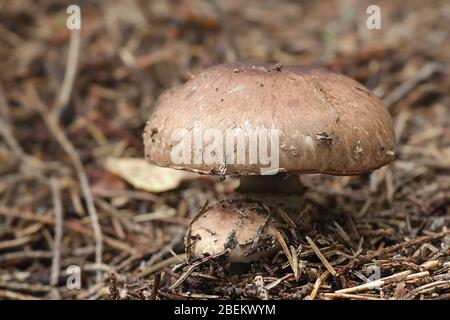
(245, 229)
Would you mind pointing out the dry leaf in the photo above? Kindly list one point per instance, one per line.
(143, 175)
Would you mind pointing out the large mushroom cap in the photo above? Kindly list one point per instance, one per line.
(326, 122)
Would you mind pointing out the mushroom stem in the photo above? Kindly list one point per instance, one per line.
(279, 183)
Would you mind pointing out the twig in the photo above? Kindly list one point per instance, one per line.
(70, 225)
(286, 250)
(28, 287)
(444, 284)
(4, 108)
(6, 133)
(295, 262)
(155, 287)
(261, 228)
(393, 248)
(285, 217)
(401, 276)
(321, 256)
(402, 90)
(21, 255)
(234, 52)
(192, 268)
(7, 244)
(6, 294)
(348, 296)
(71, 70)
(317, 285)
(275, 283)
(52, 122)
(114, 293)
(164, 263)
(58, 208)
(344, 235)
(176, 239)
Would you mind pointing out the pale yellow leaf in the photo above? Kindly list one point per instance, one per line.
(142, 175)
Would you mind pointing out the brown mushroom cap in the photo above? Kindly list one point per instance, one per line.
(328, 123)
(233, 226)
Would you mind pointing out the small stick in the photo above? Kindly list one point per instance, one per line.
(192, 268)
(51, 120)
(17, 242)
(71, 225)
(6, 294)
(321, 256)
(6, 133)
(71, 71)
(344, 235)
(283, 215)
(183, 277)
(295, 262)
(58, 208)
(164, 263)
(275, 283)
(114, 293)
(226, 28)
(22, 255)
(404, 275)
(348, 296)
(402, 90)
(428, 287)
(258, 236)
(176, 239)
(156, 283)
(23, 286)
(4, 107)
(351, 224)
(286, 250)
(317, 285)
(372, 255)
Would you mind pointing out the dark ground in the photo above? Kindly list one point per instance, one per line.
(61, 206)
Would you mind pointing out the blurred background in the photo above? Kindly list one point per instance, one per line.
(75, 191)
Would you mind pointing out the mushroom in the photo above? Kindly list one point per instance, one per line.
(245, 228)
(302, 120)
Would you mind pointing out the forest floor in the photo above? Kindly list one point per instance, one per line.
(63, 209)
